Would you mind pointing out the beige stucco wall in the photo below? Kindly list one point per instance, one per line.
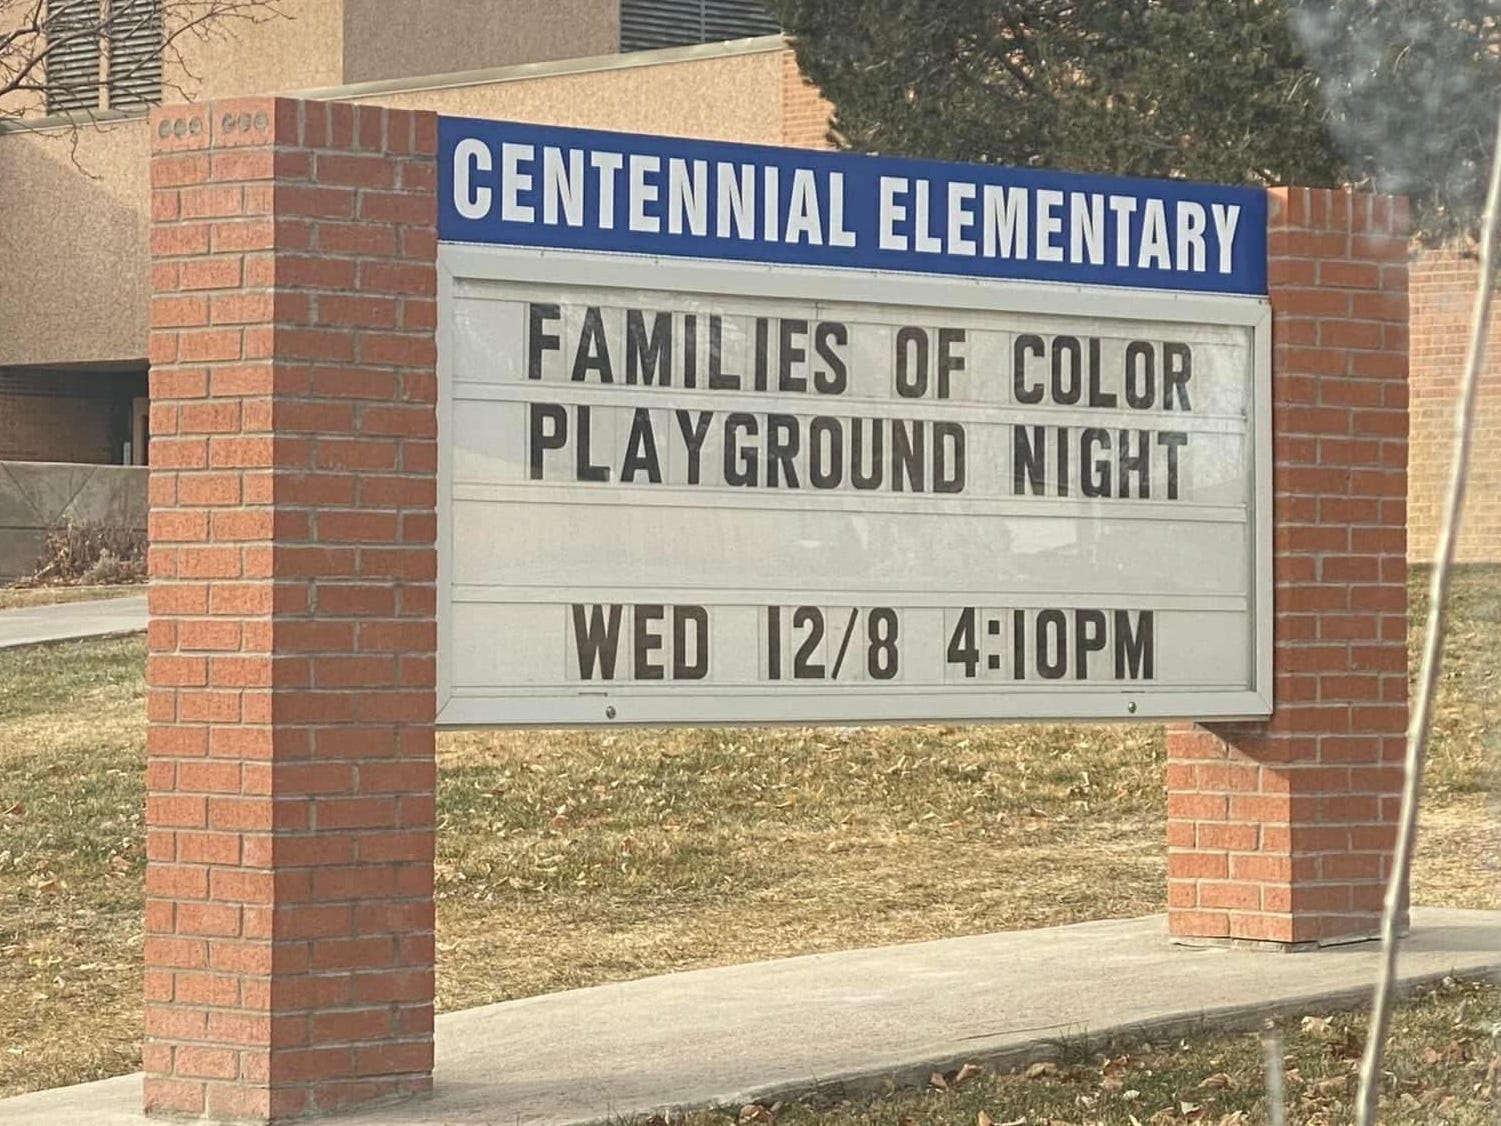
(73, 239)
(735, 97)
(411, 38)
(73, 223)
(300, 46)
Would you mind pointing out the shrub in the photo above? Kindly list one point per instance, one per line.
(91, 554)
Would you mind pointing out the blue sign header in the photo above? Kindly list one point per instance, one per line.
(578, 189)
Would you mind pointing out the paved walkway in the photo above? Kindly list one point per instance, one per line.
(848, 1021)
(103, 617)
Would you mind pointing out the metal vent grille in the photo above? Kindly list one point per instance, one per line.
(135, 59)
(648, 24)
(73, 55)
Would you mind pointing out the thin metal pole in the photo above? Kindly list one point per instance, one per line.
(1433, 652)
(1276, 1095)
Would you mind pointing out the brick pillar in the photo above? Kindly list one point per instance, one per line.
(1281, 832)
(289, 913)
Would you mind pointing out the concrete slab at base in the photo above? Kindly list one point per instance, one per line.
(849, 1020)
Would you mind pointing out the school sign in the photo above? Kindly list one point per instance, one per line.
(465, 423)
(740, 434)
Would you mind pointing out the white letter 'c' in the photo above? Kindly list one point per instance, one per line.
(469, 156)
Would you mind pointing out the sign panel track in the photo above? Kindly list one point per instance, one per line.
(814, 476)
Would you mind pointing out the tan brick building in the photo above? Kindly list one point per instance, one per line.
(76, 201)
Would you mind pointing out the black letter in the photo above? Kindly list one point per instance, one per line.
(1172, 439)
(1140, 359)
(690, 350)
(1097, 398)
(762, 360)
(719, 379)
(836, 379)
(645, 359)
(948, 363)
(594, 350)
(1026, 460)
(907, 454)
(1133, 652)
(733, 473)
(907, 386)
(536, 339)
(1177, 370)
(1052, 619)
(825, 474)
(648, 643)
(682, 617)
(1140, 465)
(1094, 470)
(1025, 344)
(858, 478)
(788, 354)
(948, 477)
(541, 412)
(781, 448)
(596, 642)
(693, 439)
(641, 449)
(583, 469)
(1089, 637)
(1068, 394)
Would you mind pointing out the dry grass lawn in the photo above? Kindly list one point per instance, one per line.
(1442, 1064)
(569, 859)
(20, 598)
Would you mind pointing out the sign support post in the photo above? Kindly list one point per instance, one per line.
(289, 914)
(1282, 832)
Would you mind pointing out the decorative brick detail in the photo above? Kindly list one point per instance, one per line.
(1443, 292)
(805, 111)
(1282, 832)
(289, 915)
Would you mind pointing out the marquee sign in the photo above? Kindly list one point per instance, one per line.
(741, 434)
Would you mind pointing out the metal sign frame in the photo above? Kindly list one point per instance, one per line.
(660, 704)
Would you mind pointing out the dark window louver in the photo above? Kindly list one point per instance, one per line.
(73, 55)
(135, 56)
(78, 73)
(648, 24)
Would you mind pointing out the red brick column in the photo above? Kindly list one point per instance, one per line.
(1281, 832)
(289, 914)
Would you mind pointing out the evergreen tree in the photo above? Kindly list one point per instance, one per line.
(1396, 94)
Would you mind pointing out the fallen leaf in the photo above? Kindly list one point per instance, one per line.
(937, 1080)
(966, 1073)
(1219, 1081)
(1318, 1027)
(1040, 1070)
(983, 1119)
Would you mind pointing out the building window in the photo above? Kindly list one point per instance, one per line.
(648, 24)
(103, 54)
(134, 68)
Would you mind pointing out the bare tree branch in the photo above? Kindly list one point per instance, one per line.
(1433, 655)
(34, 31)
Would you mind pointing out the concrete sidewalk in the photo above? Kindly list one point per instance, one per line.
(105, 617)
(848, 1021)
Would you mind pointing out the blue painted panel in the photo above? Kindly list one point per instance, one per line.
(547, 186)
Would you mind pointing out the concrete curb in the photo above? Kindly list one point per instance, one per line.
(915, 1071)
